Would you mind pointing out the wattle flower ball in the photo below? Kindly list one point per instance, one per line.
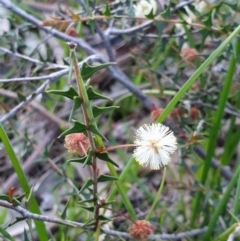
(154, 145)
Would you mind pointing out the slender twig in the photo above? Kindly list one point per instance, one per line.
(51, 78)
(106, 42)
(157, 196)
(38, 107)
(156, 19)
(88, 117)
(32, 60)
(114, 71)
(28, 215)
(226, 109)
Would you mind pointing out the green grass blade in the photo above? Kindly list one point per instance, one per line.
(6, 235)
(221, 205)
(33, 206)
(214, 132)
(236, 200)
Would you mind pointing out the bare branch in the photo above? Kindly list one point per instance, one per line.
(114, 71)
(32, 60)
(28, 215)
(51, 78)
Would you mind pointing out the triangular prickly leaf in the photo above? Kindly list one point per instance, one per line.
(21, 97)
(70, 93)
(108, 203)
(93, 95)
(88, 159)
(95, 131)
(76, 105)
(88, 70)
(167, 13)
(107, 11)
(79, 160)
(90, 209)
(91, 23)
(160, 26)
(76, 102)
(99, 110)
(20, 197)
(74, 16)
(150, 15)
(104, 157)
(87, 184)
(103, 218)
(77, 128)
(86, 201)
(63, 215)
(90, 222)
(18, 219)
(4, 197)
(17, 200)
(106, 178)
(25, 235)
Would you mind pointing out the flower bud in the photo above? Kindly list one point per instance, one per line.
(156, 112)
(77, 144)
(141, 230)
(189, 55)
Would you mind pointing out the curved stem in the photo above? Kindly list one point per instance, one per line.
(158, 194)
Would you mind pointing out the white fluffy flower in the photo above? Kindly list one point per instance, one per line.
(144, 7)
(154, 144)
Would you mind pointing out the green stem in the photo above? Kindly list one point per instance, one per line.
(99, 142)
(33, 205)
(158, 195)
(88, 117)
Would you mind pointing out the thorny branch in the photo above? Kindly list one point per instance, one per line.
(32, 60)
(52, 77)
(28, 215)
(114, 71)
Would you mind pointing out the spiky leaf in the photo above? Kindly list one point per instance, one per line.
(79, 160)
(94, 130)
(104, 157)
(86, 185)
(150, 15)
(77, 128)
(100, 110)
(87, 70)
(107, 11)
(103, 218)
(90, 209)
(106, 178)
(93, 95)
(70, 93)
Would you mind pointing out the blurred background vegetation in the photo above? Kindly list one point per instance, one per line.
(157, 46)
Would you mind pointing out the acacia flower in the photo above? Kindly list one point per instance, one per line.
(77, 144)
(154, 144)
(141, 230)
